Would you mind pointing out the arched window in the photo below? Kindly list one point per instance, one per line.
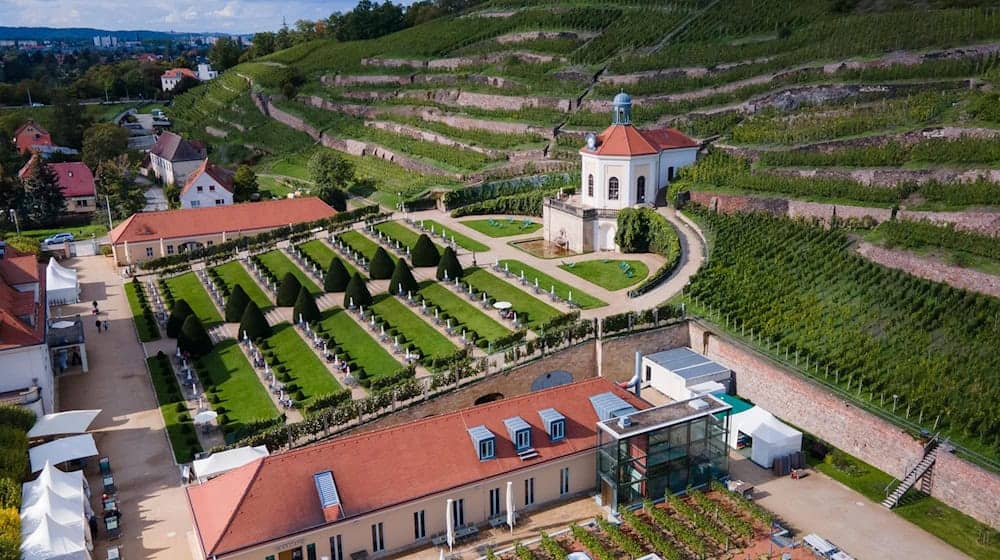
(590, 185)
(640, 190)
(613, 188)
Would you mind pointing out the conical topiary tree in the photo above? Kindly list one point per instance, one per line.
(305, 307)
(449, 262)
(193, 338)
(178, 313)
(380, 267)
(236, 303)
(402, 278)
(337, 277)
(357, 292)
(289, 290)
(253, 323)
(424, 253)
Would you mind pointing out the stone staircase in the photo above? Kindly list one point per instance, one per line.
(223, 331)
(923, 472)
(278, 315)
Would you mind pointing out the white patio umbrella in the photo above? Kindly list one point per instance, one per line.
(450, 525)
(205, 417)
(510, 506)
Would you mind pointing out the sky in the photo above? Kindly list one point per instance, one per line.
(230, 16)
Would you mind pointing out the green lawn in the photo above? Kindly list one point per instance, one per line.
(357, 241)
(398, 232)
(188, 287)
(463, 311)
(240, 392)
(306, 369)
(233, 273)
(426, 338)
(502, 228)
(146, 333)
(183, 438)
(607, 273)
(80, 233)
(463, 241)
(545, 282)
(323, 254)
(527, 306)
(365, 351)
(279, 265)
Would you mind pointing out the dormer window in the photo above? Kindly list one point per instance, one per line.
(487, 449)
(520, 433)
(554, 423)
(484, 441)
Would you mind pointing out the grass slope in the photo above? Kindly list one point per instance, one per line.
(398, 232)
(146, 333)
(280, 265)
(608, 273)
(545, 282)
(233, 273)
(306, 369)
(530, 310)
(461, 240)
(365, 351)
(427, 339)
(240, 391)
(182, 436)
(468, 314)
(188, 287)
(502, 228)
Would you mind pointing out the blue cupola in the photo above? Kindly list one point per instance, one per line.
(621, 112)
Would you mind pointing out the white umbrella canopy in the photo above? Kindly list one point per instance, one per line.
(450, 523)
(510, 505)
(62, 450)
(52, 541)
(63, 510)
(501, 305)
(205, 417)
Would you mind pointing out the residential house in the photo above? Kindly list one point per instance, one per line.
(150, 235)
(172, 77)
(76, 182)
(209, 185)
(30, 136)
(206, 73)
(26, 375)
(173, 158)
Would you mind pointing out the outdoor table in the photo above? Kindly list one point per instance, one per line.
(105, 464)
(114, 553)
(109, 483)
(109, 503)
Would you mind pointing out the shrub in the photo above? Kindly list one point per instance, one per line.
(180, 407)
(179, 312)
(193, 337)
(10, 534)
(357, 292)
(380, 267)
(337, 277)
(253, 323)
(184, 417)
(289, 290)
(449, 262)
(13, 452)
(16, 417)
(10, 493)
(402, 279)
(236, 304)
(299, 396)
(305, 307)
(424, 252)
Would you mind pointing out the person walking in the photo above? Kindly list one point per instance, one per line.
(98, 322)
(106, 325)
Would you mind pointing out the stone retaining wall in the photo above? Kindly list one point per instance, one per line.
(458, 62)
(216, 132)
(891, 176)
(932, 269)
(419, 134)
(532, 35)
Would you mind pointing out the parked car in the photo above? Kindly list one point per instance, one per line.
(58, 238)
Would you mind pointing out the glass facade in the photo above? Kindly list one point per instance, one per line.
(671, 458)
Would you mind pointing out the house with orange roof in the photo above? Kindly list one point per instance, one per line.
(172, 77)
(208, 185)
(149, 235)
(381, 492)
(621, 167)
(31, 136)
(76, 181)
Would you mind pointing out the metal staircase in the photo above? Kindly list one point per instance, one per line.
(922, 471)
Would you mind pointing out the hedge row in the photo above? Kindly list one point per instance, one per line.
(631, 320)
(496, 189)
(15, 421)
(148, 318)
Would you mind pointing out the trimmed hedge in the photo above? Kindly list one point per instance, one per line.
(253, 323)
(337, 277)
(289, 290)
(179, 312)
(357, 292)
(381, 266)
(402, 279)
(193, 338)
(236, 304)
(449, 262)
(305, 307)
(424, 252)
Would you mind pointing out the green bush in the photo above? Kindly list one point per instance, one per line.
(193, 337)
(357, 292)
(424, 252)
(402, 279)
(10, 493)
(337, 277)
(16, 417)
(236, 304)
(253, 323)
(633, 230)
(449, 262)
(10, 534)
(289, 290)
(179, 312)
(13, 453)
(305, 307)
(181, 407)
(380, 267)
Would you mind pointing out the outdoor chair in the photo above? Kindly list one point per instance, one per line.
(112, 525)
(109, 484)
(105, 464)
(114, 553)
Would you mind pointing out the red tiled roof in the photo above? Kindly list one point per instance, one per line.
(179, 72)
(276, 495)
(31, 134)
(221, 175)
(169, 224)
(20, 269)
(74, 177)
(627, 140)
(172, 147)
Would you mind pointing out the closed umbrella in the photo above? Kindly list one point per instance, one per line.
(510, 506)
(450, 523)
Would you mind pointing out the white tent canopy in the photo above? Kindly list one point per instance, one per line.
(53, 541)
(62, 450)
(63, 423)
(61, 284)
(223, 461)
(52, 481)
(772, 438)
(63, 510)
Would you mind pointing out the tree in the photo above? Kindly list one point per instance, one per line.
(70, 120)
(632, 235)
(245, 185)
(332, 175)
(225, 53)
(124, 196)
(186, 83)
(193, 338)
(43, 200)
(288, 290)
(178, 314)
(263, 43)
(449, 263)
(236, 304)
(253, 323)
(356, 292)
(305, 307)
(424, 252)
(402, 279)
(336, 277)
(103, 141)
(380, 267)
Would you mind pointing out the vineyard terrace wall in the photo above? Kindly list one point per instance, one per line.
(931, 269)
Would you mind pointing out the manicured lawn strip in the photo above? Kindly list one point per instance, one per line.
(146, 332)
(463, 311)
(463, 241)
(279, 264)
(429, 341)
(398, 232)
(608, 275)
(536, 310)
(188, 287)
(357, 241)
(240, 392)
(307, 371)
(182, 435)
(80, 233)
(323, 254)
(503, 228)
(233, 273)
(365, 351)
(584, 300)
